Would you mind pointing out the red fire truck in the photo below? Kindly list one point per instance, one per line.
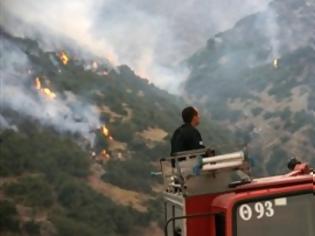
(220, 200)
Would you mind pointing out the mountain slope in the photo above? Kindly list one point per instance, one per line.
(257, 78)
(79, 139)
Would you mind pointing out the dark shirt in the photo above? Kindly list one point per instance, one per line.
(185, 138)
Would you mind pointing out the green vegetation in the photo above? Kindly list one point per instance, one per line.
(285, 115)
(31, 191)
(97, 212)
(278, 161)
(129, 174)
(257, 111)
(8, 217)
(55, 182)
(40, 151)
(298, 120)
(50, 169)
(233, 67)
(32, 228)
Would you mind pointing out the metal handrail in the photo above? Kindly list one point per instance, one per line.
(178, 155)
(188, 216)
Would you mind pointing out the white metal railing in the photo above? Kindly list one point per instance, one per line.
(229, 160)
(179, 171)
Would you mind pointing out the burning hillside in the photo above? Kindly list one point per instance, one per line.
(44, 91)
(63, 57)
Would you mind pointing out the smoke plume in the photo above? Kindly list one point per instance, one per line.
(17, 92)
(152, 38)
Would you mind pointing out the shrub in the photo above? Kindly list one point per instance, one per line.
(8, 217)
(69, 227)
(133, 174)
(256, 111)
(82, 204)
(278, 161)
(31, 191)
(32, 228)
(42, 152)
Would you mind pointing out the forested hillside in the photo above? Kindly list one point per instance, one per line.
(79, 139)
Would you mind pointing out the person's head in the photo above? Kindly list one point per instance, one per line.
(292, 163)
(191, 116)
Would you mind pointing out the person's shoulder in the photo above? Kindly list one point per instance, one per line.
(194, 130)
(176, 131)
(187, 128)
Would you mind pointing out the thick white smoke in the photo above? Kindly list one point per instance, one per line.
(151, 37)
(18, 93)
(5, 124)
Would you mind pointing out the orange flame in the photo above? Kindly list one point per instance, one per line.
(38, 85)
(49, 93)
(104, 130)
(46, 91)
(64, 58)
(104, 155)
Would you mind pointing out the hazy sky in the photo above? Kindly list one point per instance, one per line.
(149, 36)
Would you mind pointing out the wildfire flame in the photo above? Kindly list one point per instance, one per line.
(49, 93)
(64, 58)
(103, 152)
(275, 63)
(104, 155)
(38, 85)
(46, 91)
(104, 131)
